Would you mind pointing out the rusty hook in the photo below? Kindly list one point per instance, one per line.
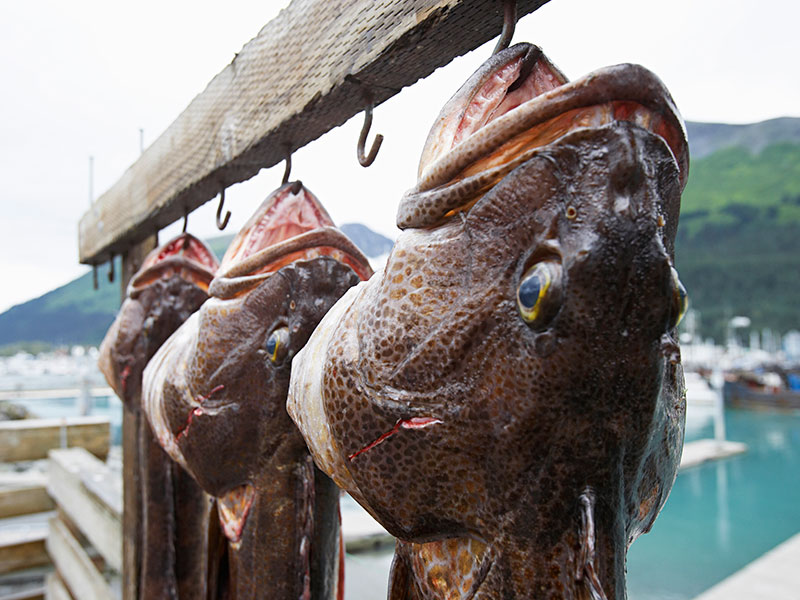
(367, 160)
(509, 24)
(288, 169)
(222, 224)
(111, 269)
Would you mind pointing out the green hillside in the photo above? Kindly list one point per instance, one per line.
(738, 247)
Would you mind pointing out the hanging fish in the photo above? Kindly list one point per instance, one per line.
(173, 513)
(507, 398)
(215, 395)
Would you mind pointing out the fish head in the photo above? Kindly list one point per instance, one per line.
(170, 285)
(519, 348)
(215, 395)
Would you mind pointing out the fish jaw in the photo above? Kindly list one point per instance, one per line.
(456, 171)
(184, 255)
(171, 284)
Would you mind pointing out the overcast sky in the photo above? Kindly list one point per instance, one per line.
(80, 79)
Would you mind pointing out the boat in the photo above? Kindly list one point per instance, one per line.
(768, 390)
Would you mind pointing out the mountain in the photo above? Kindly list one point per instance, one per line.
(707, 138)
(738, 245)
(77, 314)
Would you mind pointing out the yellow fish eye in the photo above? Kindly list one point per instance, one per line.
(680, 300)
(277, 345)
(538, 293)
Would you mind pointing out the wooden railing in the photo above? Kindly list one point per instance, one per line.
(50, 518)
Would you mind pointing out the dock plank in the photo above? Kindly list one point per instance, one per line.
(32, 439)
(90, 494)
(773, 576)
(74, 566)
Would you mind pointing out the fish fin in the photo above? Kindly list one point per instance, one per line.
(401, 579)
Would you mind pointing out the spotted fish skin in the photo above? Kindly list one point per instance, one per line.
(542, 443)
(174, 523)
(215, 395)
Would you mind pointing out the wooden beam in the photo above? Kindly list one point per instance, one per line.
(23, 551)
(74, 566)
(31, 439)
(90, 494)
(24, 499)
(132, 421)
(55, 588)
(36, 593)
(306, 72)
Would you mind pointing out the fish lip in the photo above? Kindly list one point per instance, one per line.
(239, 277)
(619, 83)
(174, 256)
(291, 221)
(485, 131)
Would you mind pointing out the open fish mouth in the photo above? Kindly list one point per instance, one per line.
(517, 103)
(185, 256)
(291, 225)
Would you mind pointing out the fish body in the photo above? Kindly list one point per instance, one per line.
(506, 397)
(173, 530)
(215, 395)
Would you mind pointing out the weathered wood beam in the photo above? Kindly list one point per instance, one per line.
(91, 497)
(74, 566)
(24, 499)
(31, 439)
(306, 72)
(23, 551)
(55, 588)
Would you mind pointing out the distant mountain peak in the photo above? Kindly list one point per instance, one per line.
(707, 138)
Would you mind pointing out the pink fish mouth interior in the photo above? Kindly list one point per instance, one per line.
(290, 226)
(525, 102)
(184, 255)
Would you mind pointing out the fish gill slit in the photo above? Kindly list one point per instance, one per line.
(197, 410)
(585, 571)
(411, 423)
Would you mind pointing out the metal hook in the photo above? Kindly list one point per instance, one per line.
(224, 222)
(288, 169)
(185, 220)
(509, 24)
(367, 160)
(94, 277)
(111, 269)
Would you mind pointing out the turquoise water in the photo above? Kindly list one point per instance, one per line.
(722, 515)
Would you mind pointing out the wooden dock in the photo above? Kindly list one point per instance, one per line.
(773, 576)
(701, 451)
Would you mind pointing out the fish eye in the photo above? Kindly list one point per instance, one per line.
(539, 293)
(277, 345)
(680, 300)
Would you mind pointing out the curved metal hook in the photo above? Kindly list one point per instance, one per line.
(94, 277)
(111, 269)
(288, 169)
(185, 220)
(509, 24)
(223, 223)
(367, 160)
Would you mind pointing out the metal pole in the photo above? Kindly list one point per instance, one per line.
(91, 180)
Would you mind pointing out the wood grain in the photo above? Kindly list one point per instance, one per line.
(31, 439)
